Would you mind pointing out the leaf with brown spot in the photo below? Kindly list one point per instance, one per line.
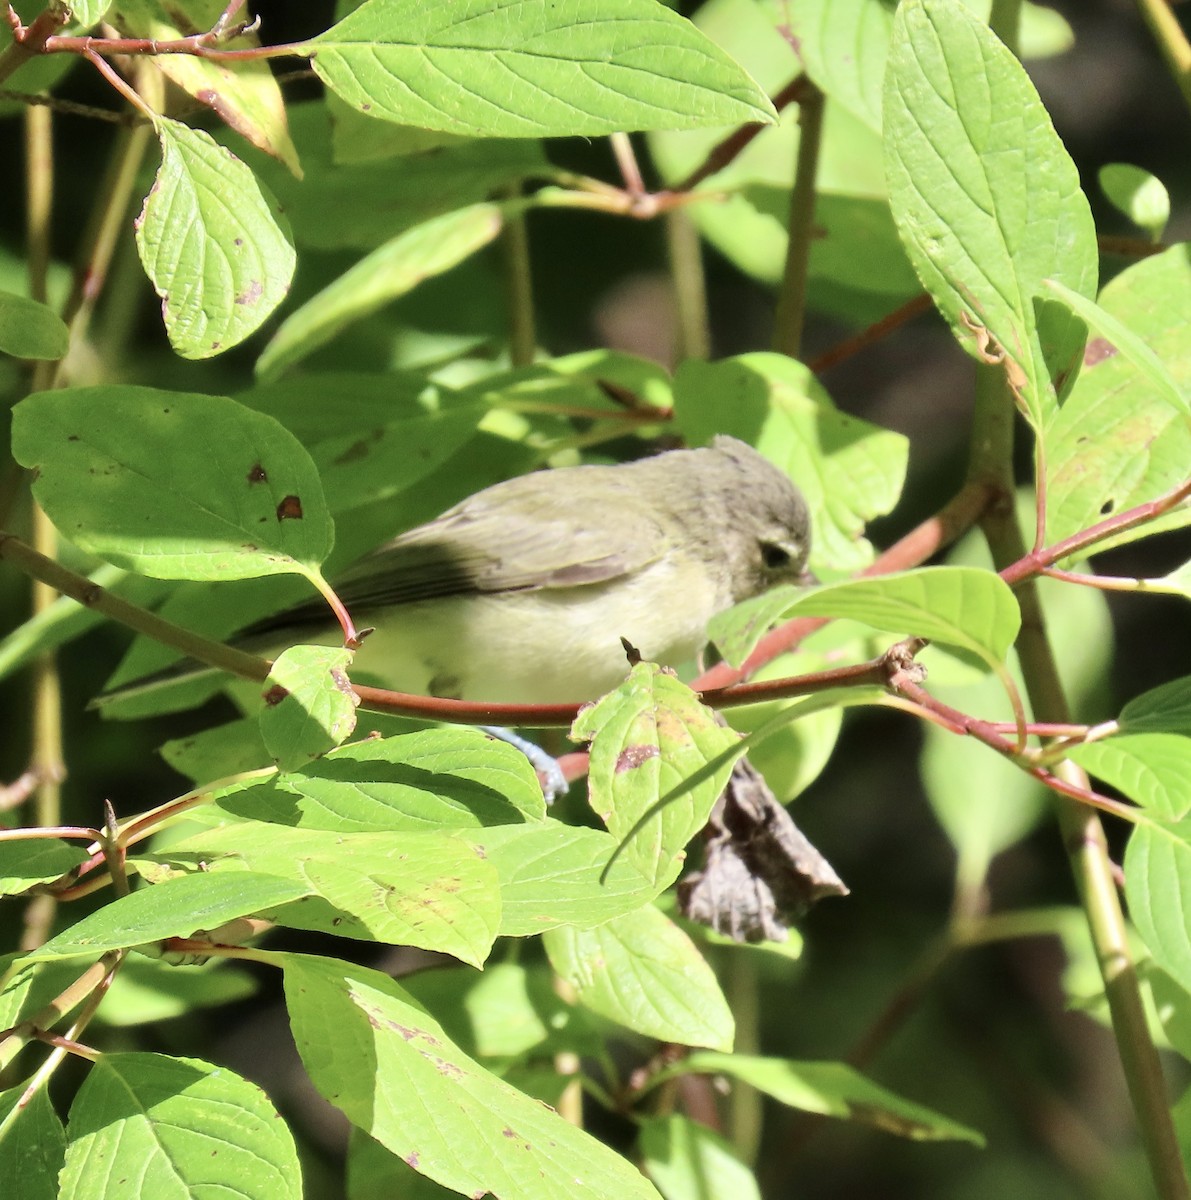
(290, 509)
(659, 760)
(1120, 438)
(377, 887)
(312, 711)
(127, 473)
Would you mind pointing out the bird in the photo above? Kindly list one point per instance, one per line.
(526, 591)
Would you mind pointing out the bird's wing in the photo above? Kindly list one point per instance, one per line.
(513, 547)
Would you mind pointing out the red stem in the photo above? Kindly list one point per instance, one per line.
(724, 152)
(1033, 563)
(874, 333)
(987, 733)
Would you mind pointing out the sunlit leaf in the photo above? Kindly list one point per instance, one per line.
(985, 196)
(213, 242)
(499, 68)
(179, 1127)
(643, 972)
(388, 1065)
(173, 484)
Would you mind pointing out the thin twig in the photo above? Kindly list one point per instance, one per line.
(1113, 583)
(730, 148)
(626, 162)
(112, 76)
(1172, 41)
(1033, 563)
(791, 302)
(90, 595)
(685, 253)
(874, 333)
(984, 732)
(518, 275)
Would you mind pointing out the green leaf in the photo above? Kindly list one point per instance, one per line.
(1152, 769)
(429, 890)
(1157, 881)
(363, 204)
(843, 45)
(388, 272)
(29, 329)
(832, 1090)
(984, 194)
(86, 13)
(176, 908)
(553, 874)
(218, 751)
(389, 1066)
(688, 1161)
(1173, 1005)
(579, 379)
(858, 270)
(856, 251)
(309, 704)
(848, 470)
(435, 779)
(356, 138)
(1138, 194)
(180, 1128)
(373, 1171)
(507, 1012)
(1116, 443)
(32, 1144)
(1164, 709)
(1116, 338)
(984, 802)
(1044, 32)
(643, 972)
(245, 94)
(971, 609)
(213, 242)
(499, 68)
(653, 745)
(173, 484)
(24, 863)
(372, 438)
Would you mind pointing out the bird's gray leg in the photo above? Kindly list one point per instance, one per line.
(554, 782)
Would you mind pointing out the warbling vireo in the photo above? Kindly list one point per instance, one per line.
(522, 592)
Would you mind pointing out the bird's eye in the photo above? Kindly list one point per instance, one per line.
(774, 557)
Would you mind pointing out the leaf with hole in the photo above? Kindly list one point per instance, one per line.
(172, 484)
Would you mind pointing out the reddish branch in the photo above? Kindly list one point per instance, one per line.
(730, 148)
(40, 37)
(874, 333)
(955, 518)
(985, 731)
(1036, 561)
